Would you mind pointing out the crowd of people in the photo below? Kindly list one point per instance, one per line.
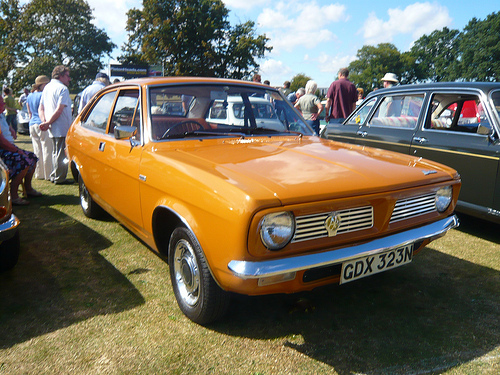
(342, 98)
(49, 108)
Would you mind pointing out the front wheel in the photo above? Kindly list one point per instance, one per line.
(198, 295)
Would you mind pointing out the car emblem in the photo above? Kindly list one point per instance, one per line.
(332, 224)
(428, 172)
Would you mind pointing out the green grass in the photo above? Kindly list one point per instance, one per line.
(88, 298)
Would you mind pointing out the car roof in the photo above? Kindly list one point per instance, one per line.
(189, 80)
(483, 86)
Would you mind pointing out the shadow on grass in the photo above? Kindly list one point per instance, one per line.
(432, 315)
(61, 278)
(479, 228)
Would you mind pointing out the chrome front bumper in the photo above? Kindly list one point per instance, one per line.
(267, 268)
(8, 228)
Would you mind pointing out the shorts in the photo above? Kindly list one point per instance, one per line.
(17, 162)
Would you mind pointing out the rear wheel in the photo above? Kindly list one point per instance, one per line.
(198, 295)
(89, 207)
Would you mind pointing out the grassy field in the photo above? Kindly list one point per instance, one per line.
(88, 298)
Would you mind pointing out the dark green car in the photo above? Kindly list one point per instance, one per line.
(457, 124)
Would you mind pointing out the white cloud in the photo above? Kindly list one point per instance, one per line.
(290, 25)
(111, 15)
(244, 4)
(416, 20)
(332, 64)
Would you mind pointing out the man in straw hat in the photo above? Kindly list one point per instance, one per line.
(389, 80)
(42, 144)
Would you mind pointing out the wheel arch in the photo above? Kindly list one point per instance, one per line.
(164, 222)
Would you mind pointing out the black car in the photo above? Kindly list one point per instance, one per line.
(457, 124)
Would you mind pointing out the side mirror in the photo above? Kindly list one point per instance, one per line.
(124, 132)
(484, 130)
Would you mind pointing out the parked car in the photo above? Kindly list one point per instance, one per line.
(9, 223)
(23, 120)
(245, 207)
(232, 112)
(456, 124)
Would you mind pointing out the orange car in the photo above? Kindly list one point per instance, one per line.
(250, 207)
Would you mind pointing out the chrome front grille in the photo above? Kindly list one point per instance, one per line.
(313, 226)
(415, 206)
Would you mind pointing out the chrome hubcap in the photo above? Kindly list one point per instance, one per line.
(186, 272)
(84, 198)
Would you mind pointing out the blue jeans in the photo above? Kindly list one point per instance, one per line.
(314, 124)
(12, 121)
(336, 120)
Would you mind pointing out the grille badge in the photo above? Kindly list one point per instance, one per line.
(332, 224)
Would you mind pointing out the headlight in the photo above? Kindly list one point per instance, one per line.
(443, 198)
(276, 230)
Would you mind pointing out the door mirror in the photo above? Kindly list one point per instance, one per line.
(124, 132)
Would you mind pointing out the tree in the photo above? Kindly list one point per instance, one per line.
(480, 49)
(435, 57)
(192, 37)
(9, 16)
(372, 63)
(53, 32)
(298, 81)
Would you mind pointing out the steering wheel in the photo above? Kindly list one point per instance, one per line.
(184, 123)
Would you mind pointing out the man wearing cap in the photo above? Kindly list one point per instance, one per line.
(389, 80)
(101, 81)
(55, 113)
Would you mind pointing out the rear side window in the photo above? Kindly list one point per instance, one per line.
(98, 117)
(457, 113)
(400, 111)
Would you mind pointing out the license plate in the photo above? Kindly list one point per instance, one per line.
(370, 265)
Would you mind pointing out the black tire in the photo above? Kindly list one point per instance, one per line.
(198, 295)
(89, 207)
(9, 252)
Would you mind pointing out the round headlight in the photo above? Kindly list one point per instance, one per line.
(443, 198)
(276, 230)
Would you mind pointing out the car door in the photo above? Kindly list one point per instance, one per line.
(455, 133)
(114, 178)
(350, 130)
(394, 122)
(388, 123)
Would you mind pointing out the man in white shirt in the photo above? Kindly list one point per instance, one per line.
(55, 113)
(101, 81)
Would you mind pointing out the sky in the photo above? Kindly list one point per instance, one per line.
(318, 37)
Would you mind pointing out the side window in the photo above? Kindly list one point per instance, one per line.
(401, 111)
(125, 109)
(99, 115)
(362, 113)
(459, 113)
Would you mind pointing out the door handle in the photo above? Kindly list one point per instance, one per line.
(101, 146)
(361, 133)
(420, 140)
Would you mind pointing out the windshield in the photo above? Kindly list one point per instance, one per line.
(208, 110)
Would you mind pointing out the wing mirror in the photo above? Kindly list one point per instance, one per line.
(124, 132)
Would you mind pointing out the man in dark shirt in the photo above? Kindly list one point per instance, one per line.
(341, 98)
